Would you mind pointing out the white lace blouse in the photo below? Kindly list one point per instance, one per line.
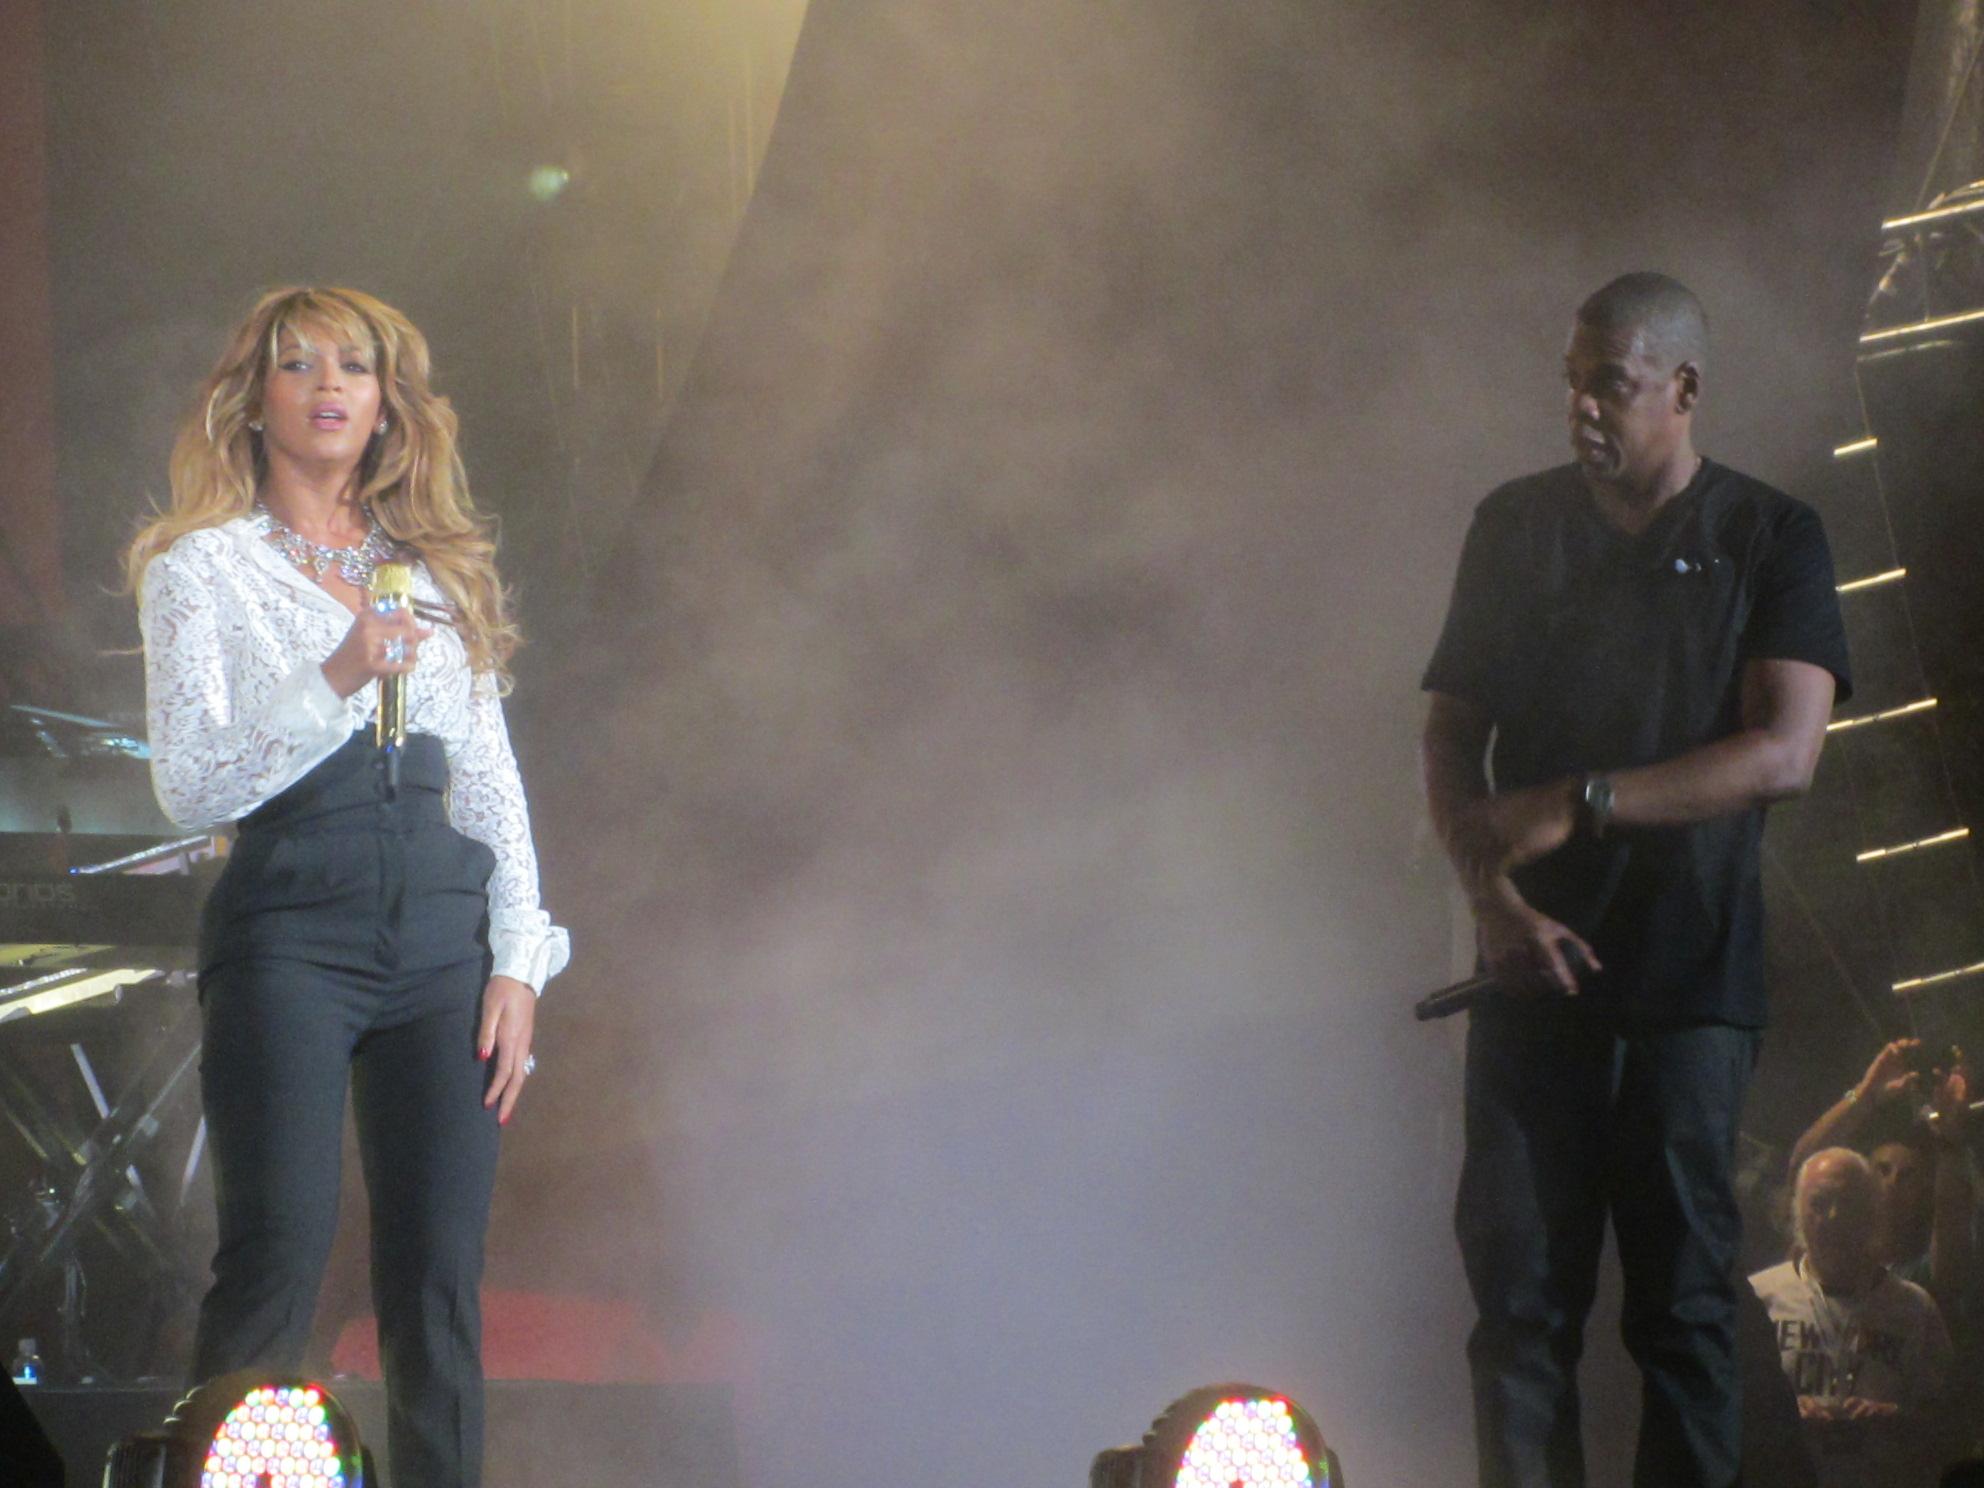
(238, 710)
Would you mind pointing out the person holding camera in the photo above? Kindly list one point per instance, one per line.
(1908, 1114)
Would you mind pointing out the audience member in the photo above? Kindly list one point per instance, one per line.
(1866, 1352)
(1925, 1213)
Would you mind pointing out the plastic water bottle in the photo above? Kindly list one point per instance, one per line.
(27, 1363)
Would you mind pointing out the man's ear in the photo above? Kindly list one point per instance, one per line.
(1687, 387)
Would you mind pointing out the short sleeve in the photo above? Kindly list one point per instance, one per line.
(1474, 656)
(1795, 615)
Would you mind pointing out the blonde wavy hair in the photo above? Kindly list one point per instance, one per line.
(411, 476)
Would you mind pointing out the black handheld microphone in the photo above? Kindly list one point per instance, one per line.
(1462, 995)
(1457, 998)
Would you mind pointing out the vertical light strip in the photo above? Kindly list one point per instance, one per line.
(1920, 705)
(1916, 984)
(1934, 214)
(1892, 575)
(1873, 854)
(1921, 327)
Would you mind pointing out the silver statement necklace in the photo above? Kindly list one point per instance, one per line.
(354, 564)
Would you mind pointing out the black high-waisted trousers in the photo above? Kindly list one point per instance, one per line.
(347, 939)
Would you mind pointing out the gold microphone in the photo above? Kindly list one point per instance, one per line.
(392, 591)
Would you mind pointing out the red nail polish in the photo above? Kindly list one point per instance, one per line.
(502, 1121)
(484, 1054)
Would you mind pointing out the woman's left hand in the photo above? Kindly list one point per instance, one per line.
(509, 1016)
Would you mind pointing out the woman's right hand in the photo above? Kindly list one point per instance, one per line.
(1891, 1076)
(367, 650)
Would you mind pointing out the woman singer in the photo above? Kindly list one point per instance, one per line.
(374, 924)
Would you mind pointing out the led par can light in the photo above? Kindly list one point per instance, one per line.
(1224, 1436)
(247, 1430)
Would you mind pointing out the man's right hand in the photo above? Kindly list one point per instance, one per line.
(1525, 947)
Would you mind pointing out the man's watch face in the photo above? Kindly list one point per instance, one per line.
(1598, 798)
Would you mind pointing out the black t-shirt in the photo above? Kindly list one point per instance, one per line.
(1590, 649)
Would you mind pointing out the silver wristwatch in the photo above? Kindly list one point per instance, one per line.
(1595, 799)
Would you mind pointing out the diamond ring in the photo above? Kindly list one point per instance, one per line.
(530, 1064)
(396, 650)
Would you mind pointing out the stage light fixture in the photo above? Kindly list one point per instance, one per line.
(247, 1430)
(1224, 1436)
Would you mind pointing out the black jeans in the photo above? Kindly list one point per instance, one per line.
(347, 940)
(1570, 1117)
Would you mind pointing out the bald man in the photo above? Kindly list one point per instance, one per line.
(1641, 653)
(1867, 1352)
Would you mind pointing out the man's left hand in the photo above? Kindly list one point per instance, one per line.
(509, 1017)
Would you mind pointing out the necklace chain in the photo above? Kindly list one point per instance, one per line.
(1836, 1326)
(354, 564)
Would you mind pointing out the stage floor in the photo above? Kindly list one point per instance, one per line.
(541, 1433)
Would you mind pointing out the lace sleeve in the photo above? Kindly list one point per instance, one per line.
(215, 755)
(486, 801)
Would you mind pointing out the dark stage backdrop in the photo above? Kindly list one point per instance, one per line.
(977, 764)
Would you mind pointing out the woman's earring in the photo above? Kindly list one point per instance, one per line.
(256, 425)
(382, 427)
